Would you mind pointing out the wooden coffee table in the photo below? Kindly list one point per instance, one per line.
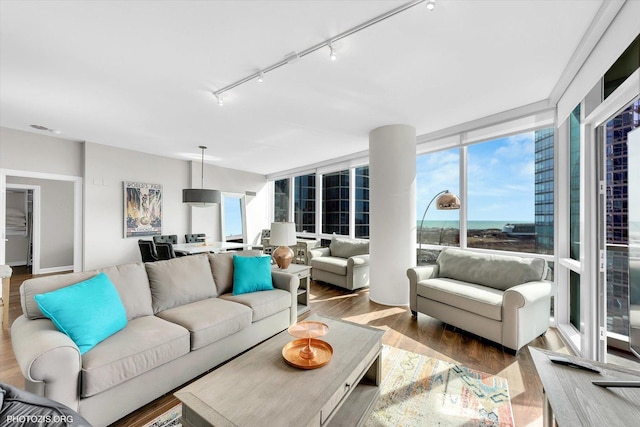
(260, 388)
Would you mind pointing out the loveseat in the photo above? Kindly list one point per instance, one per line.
(182, 319)
(344, 263)
(505, 299)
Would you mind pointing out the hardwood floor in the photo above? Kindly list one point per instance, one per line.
(423, 335)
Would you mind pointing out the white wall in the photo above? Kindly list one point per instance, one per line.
(29, 151)
(107, 167)
(104, 169)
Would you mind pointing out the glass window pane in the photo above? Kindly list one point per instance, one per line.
(281, 201)
(362, 202)
(574, 183)
(305, 203)
(436, 172)
(510, 193)
(335, 203)
(233, 218)
(617, 217)
(574, 299)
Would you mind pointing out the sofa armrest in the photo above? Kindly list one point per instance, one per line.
(526, 310)
(289, 283)
(49, 360)
(357, 261)
(318, 252)
(416, 274)
(357, 271)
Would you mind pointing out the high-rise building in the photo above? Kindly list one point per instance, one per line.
(544, 190)
(362, 202)
(335, 203)
(305, 203)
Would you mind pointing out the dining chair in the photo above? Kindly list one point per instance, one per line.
(194, 238)
(165, 251)
(166, 238)
(147, 250)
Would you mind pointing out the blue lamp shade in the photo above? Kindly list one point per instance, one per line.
(199, 197)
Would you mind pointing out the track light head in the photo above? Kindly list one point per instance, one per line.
(219, 98)
(332, 53)
(431, 4)
(261, 77)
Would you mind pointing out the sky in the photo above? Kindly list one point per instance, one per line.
(501, 180)
(232, 216)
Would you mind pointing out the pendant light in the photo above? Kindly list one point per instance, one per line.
(199, 197)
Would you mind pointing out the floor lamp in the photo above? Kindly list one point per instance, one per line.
(446, 201)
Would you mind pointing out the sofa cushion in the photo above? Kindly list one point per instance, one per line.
(345, 247)
(132, 284)
(263, 304)
(222, 269)
(478, 299)
(87, 312)
(496, 271)
(209, 320)
(129, 279)
(331, 264)
(180, 281)
(41, 285)
(145, 343)
(251, 274)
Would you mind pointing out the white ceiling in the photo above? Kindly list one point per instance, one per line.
(139, 74)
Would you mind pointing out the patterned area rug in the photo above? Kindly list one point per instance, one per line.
(421, 391)
(418, 390)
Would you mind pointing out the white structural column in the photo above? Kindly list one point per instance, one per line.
(392, 226)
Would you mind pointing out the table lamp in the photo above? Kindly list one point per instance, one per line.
(283, 235)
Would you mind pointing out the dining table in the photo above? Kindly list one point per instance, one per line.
(214, 247)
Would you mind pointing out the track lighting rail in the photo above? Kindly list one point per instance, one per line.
(326, 43)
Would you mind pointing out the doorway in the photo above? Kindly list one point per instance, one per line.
(73, 214)
(22, 226)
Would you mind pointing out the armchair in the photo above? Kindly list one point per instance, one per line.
(344, 263)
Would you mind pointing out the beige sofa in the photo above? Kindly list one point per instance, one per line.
(344, 263)
(504, 299)
(182, 321)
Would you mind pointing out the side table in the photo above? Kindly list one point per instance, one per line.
(304, 274)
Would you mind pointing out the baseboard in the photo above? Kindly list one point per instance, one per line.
(16, 263)
(55, 269)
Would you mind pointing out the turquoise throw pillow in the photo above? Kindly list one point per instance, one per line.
(251, 274)
(88, 312)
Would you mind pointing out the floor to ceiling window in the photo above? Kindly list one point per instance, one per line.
(510, 193)
(335, 203)
(362, 202)
(574, 214)
(617, 223)
(436, 172)
(281, 200)
(233, 220)
(305, 203)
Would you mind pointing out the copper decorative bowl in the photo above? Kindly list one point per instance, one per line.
(307, 352)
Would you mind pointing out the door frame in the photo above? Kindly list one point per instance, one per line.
(595, 342)
(78, 250)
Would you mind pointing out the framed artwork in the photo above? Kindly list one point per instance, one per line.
(142, 209)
